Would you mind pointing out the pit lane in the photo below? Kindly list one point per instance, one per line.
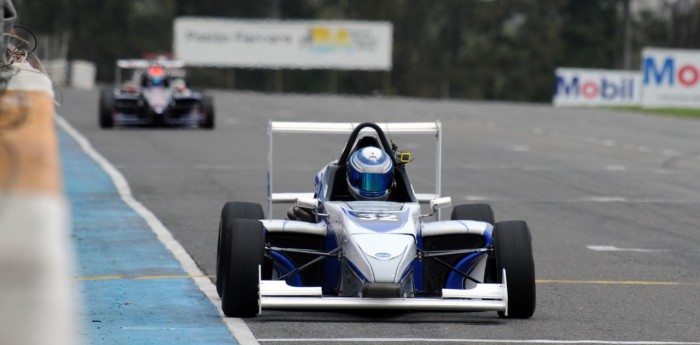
(579, 177)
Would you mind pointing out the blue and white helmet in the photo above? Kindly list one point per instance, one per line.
(370, 173)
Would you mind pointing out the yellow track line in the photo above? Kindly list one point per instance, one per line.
(607, 282)
(116, 277)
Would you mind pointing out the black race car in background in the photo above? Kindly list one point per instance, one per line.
(156, 94)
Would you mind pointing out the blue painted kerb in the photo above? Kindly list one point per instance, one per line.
(111, 239)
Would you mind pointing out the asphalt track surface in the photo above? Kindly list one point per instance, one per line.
(612, 200)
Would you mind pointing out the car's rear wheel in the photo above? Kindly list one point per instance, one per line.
(232, 210)
(478, 212)
(208, 107)
(241, 290)
(513, 247)
(107, 108)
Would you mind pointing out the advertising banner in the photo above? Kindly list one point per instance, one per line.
(345, 45)
(596, 87)
(670, 78)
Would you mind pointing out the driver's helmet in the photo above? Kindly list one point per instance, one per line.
(156, 75)
(370, 174)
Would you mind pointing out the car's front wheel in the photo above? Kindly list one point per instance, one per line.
(241, 290)
(107, 108)
(209, 116)
(513, 247)
(231, 210)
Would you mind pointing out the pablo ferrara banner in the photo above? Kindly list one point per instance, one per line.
(349, 45)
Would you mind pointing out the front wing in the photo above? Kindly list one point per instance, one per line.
(276, 294)
(183, 113)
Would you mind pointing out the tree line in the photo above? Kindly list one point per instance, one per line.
(468, 49)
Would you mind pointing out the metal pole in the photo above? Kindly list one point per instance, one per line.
(333, 81)
(627, 37)
(269, 170)
(438, 164)
(5, 27)
(2, 24)
(386, 83)
(275, 8)
(277, 77)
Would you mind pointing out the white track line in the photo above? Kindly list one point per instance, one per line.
(586, 199)
(469, 341)
(607, 248)
(236, 326)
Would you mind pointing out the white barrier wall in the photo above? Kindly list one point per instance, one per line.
(348, 45)
(596, 87)
(57, 71)
(671, 78)
(82, 74)
(78, 73)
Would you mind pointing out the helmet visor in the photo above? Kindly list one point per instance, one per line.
(370, 184)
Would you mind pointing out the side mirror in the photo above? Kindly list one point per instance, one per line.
(310, 203)
(437, 204)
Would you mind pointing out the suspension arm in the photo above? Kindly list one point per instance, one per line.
(321, 256)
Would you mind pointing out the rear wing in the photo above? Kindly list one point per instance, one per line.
(276, 127)
(143, 63)
(123, 64)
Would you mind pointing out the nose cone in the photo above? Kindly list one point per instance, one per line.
(385, 254)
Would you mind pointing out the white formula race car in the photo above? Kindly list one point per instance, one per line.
(372, 254)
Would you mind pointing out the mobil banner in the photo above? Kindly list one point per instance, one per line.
(596, 87)
(670, 78)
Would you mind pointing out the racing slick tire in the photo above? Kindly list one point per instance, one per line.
(231, 210)
(106, 108)
(478, 212)
(241, 290)
(513, 251)
(208, 107)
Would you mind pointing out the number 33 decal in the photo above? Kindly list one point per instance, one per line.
(380, 217)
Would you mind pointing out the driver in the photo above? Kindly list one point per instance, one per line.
(369, 176)
(154, 76)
